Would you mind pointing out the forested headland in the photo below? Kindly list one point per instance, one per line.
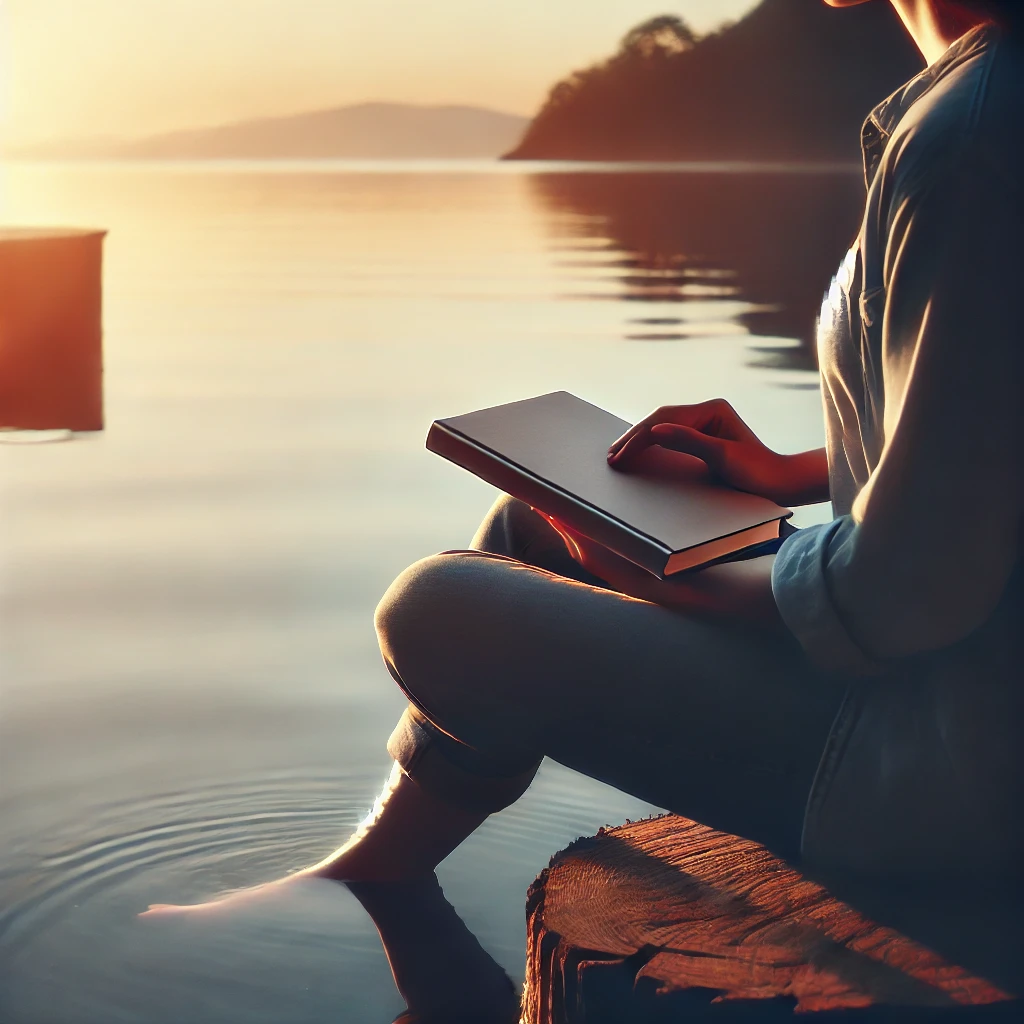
(793, 80)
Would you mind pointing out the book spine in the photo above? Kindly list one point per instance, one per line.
(542, 494)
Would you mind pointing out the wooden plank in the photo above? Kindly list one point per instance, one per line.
(666, 919)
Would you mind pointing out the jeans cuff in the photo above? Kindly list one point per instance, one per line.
(453, 772)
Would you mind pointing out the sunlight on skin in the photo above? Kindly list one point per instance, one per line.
(382, 848)
(439, 967)
(933, 24)
(326, 869)
(437, 963)
(236, 899)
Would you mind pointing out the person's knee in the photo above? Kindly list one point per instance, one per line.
(423, 614)
(521, 521)
(445, 627)
(506, 527)
(512, 510)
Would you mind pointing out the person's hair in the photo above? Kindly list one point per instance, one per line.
(1007, 13)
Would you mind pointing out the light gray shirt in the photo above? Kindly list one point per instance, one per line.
(914, 591)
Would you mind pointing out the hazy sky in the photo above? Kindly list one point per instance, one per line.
(94, 67)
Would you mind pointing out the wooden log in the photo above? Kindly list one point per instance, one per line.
(666, 919)
(51, 360)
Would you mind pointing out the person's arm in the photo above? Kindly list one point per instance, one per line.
(715, 433)
(926, 554)
(806, 476)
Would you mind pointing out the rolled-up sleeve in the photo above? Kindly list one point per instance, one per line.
(800, 585)
(925, 555)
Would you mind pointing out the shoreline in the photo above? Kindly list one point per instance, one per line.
(495, 165)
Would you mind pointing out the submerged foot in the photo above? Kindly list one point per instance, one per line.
(404, 837)
(333, 870)
(228, 902)
(338, 868)
(440, 968)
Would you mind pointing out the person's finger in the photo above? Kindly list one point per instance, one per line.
(711, 450)
(620, 442)
(635, 444)
(715, 417)
(664, 414)
(701, 416)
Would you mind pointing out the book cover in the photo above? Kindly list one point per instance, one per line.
(551, 451)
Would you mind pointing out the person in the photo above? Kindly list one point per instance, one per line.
(853, 699)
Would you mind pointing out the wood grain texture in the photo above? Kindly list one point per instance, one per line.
(667, 913)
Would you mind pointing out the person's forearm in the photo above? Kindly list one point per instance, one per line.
(805, 478)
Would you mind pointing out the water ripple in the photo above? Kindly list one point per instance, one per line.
(203, 831)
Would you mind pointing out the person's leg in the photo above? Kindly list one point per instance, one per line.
(505, 658)
(504, 663)
(512, 528)
(439, 967)
(376, 852)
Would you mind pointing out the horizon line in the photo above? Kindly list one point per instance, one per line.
(54, 140)
(412, 164)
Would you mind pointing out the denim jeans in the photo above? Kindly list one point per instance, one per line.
(510, 652)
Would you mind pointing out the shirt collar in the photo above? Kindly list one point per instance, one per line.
(883, 120)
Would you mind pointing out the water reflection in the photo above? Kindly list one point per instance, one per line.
(770, 239)
(193, 699)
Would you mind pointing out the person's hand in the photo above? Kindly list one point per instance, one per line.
(731, 590)
(714, 432)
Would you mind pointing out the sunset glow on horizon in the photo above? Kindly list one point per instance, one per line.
(84, 68)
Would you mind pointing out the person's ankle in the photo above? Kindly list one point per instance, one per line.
(354, 866)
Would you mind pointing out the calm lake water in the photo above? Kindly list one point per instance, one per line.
(192, 699)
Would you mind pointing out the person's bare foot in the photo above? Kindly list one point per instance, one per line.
(228, 902)
(347, 865)
(404, 837)
(440, 968)
(388, 865)
(335, 869)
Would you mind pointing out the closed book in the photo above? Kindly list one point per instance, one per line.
(663, 513)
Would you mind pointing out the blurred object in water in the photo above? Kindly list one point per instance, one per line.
(51, 337)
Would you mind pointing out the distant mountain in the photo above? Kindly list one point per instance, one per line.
(793, 79)
(372, 131)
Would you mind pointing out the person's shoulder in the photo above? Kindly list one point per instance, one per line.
(966, 128)
(998, 134)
